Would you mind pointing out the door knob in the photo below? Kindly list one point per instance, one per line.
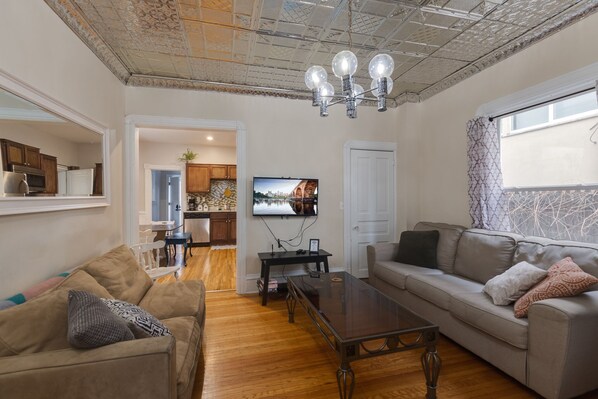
(356, 228)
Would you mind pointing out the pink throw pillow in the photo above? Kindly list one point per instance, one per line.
(564, 279)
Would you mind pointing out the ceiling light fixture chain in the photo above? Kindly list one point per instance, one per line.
(344, 66)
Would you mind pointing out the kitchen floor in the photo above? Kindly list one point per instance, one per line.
(216, 267)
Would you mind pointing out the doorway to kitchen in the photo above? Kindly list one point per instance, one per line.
(221, 265)
(162, 194)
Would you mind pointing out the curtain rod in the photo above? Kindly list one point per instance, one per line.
(491, 118)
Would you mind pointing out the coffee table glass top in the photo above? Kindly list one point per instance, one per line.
(354, 309)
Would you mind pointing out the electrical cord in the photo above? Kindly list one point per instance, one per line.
(300, 234)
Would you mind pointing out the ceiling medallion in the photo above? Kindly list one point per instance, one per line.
(344, 66)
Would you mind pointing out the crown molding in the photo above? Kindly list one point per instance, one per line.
(79, 25)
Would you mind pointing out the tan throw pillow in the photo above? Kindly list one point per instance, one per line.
(513, 284)
(564, 279)
(119, 272)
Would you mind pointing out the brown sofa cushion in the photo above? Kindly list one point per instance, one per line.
(483, 254)
(447, 243)
(180, 298)
(119, 272)
(187, 334)
(41, 324)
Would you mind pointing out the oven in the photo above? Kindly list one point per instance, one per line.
(35, 178)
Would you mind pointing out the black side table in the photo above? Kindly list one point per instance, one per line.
(288, 258)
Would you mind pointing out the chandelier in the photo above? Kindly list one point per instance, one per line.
(344, 66)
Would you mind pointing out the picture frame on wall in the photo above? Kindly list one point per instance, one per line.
(314, 245)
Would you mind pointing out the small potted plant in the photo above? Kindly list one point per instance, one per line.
(188, 156)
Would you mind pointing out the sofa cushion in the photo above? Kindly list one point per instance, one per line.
(180, 298)
(119, 272)
(139, 317)
(396, 273)
(447, 242)
(477, 309)
(564, 279)
(187, 334)
(418, 248)
(91, 324)
(512, 284)
(438, 289)
(544, 252)
(41, 323)
(483, 254)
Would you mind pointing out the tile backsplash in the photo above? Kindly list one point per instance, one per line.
(216, 197)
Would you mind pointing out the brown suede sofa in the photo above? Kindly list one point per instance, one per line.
(36, 360)
(553, 351)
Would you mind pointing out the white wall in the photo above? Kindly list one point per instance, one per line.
(440, 121)
(38, 48)
(558, 155)
(284, 138)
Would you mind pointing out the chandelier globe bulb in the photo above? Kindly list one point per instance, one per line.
(315, 76)
(344, 64)
(381, 66)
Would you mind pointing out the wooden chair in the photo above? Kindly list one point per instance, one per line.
(148, 256)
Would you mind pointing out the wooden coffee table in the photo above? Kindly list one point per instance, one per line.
(359, 322)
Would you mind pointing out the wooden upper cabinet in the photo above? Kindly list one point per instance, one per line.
(49, 166)
(224, 172)
(14, 153)
(198, 178)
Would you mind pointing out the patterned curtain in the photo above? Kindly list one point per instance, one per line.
(488, 203)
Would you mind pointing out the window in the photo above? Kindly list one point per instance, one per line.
(555, 150)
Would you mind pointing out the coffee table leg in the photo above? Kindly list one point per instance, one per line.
(431, 364)
(346, 380)
(291, 302)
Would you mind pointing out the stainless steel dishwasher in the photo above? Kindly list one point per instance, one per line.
(198, 224)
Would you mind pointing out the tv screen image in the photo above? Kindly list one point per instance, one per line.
(274, 196)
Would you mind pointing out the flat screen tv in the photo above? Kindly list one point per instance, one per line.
(276, 196)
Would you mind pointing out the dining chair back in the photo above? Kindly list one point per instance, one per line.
(148, 256)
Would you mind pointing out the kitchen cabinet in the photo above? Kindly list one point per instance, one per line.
(224, 172)
(14, 153)
(49, 166)
(223, 228)
(198, 178)
(98, 179)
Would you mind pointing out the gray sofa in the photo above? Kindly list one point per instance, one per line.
(553, 351)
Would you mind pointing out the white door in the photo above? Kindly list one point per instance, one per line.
(174, 201)
(372, 216)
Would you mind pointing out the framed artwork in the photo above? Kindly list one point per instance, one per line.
(314, 245)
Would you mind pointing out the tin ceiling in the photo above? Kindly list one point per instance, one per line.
(265, 46)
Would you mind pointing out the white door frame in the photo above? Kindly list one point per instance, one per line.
(148, 182)
(131, 176)
(371, 146)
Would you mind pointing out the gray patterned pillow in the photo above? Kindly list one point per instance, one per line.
(137, 316)
(91, 323)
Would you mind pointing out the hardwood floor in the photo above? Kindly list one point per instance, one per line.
(216, 267)
(251, 351)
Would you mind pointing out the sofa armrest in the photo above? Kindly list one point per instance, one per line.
(562, 348)
(381, 252)
(143, 368)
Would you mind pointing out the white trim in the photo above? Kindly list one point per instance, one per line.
(370, 146)
(18, 205)
(18, 114)
(580, 79)
(130, 169)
